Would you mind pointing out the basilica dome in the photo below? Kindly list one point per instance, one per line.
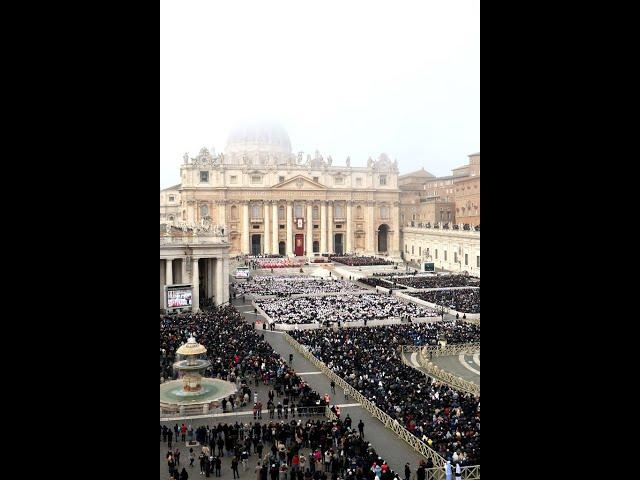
(259, 137)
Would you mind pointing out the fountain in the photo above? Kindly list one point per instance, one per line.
(192, 393)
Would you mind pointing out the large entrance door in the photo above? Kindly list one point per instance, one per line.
(281, 248)
(299, 245)
(255, 245)
(383, 231)
(337, 244)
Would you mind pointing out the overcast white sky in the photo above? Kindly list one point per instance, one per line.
(348, 78)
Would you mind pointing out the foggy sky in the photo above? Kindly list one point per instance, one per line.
(346, 78)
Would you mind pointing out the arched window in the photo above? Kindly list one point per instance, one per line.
(171, 217)
(359, 211)
(234, 212)
(204, 211)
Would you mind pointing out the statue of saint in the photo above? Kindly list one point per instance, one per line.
(369, 162)
(185, 157)
(329, 160)
(348, 161)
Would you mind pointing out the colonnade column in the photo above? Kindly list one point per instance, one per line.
(275, 227)
(169, 271)
(309, 235)
(323, 227)
(225, 279)
(289, 228)
(266, 241)
(330, 227)
(370, 228)
(217, 273)
(395, 225)
(195, 281)
(245, 247)
(222, 213)
(349, 246)
(211, 278)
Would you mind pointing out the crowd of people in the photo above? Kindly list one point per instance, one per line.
(466, 300)
(340, 308)
(295, 450)
(359, 260)
(446, 419)
(438, 281)
(274, 261)
(291, 285)
(379, 282)
(238, 353)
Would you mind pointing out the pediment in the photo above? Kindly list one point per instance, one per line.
(299, 182)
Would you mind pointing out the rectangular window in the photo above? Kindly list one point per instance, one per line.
(256, 211)
(406, 248)
(466, 259)
(281, 227)
(412, 249)
(338, 226)
(233, 179)
(281, 213)
(338, 181)
(171, 198)
(256, 226)
(256, 179)
(436, 253)
(419, 250)
(455, 257)
(427, 252)
(316, 226)
(316, 179)
(280, 179)
(384, 212)
(204, 177)
(383, 179)
(448, 215)
(478, 261)
(297, 210)
(445, 255)
(358, 182)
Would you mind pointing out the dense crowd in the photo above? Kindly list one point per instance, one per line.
(236, 351)
(340, 308)
(359, 260)
(289, 285)
(275, 262)
(378, 282)
(446, 419)
(295, 450)
(438, 281)
(465, 300)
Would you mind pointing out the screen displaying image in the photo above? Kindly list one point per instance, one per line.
(179, 297)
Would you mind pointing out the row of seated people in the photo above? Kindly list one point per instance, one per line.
(465, 300)
(291, 285)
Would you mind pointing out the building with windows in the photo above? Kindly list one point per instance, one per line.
(275, 201)
(449, 249)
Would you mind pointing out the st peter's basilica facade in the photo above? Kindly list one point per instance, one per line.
(274, 201)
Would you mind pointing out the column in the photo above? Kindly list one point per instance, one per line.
(266, 242)
(195, 281)
(225, 279)
(169, 271)
(275, 227)
(245, 247)
(309, 236)
(163, 276)
(323, 227)
(370, 228)
(394, 247)
(211, 283)
(349, 247)
(222, 213)
(330, 227)
(289, 228)
(219, 280)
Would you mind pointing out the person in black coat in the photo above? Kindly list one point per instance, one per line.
(407, 472)
(183, 474)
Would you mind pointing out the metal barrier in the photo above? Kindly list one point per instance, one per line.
(388, 422)
(436, 372)
(455, 349)
(470, 472)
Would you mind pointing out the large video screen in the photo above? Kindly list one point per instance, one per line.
(429, 267)
(179, 296)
